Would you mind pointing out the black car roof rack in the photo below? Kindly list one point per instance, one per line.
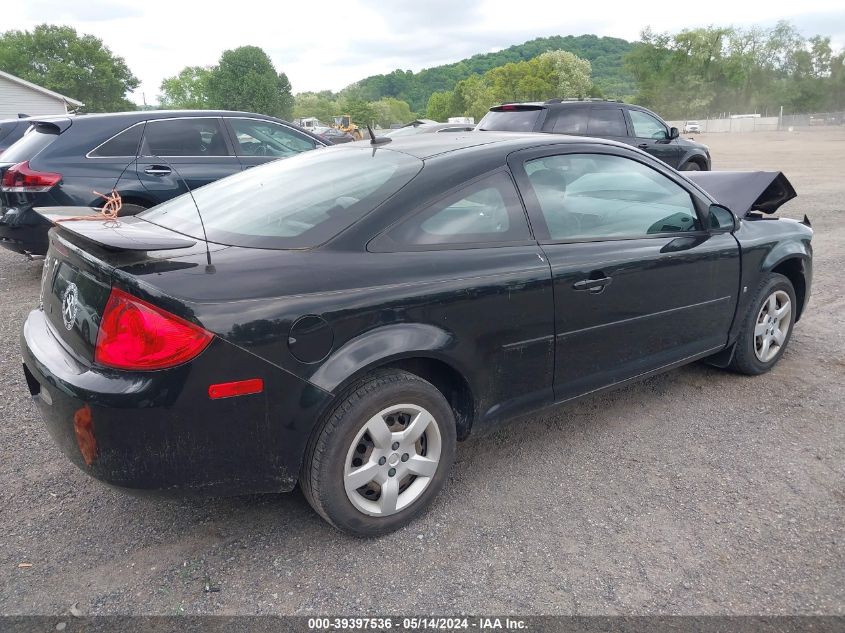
(567, 99)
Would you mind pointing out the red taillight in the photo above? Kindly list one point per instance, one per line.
(508, 107)
(238, 388)
(21, 179)
(137, 335)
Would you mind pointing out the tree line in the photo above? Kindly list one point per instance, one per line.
(708, 71)
(693, 73)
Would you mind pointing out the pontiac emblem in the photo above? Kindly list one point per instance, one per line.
(70, 305)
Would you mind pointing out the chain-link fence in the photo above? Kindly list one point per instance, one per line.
(757, 123)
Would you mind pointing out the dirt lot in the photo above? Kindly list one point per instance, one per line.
(697, 492)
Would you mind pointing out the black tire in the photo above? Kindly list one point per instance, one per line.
(691, 166)
(324, 466)
(745, 359)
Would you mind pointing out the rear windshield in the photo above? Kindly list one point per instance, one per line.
(6, 128)
(510, 120)
(297, 202)
(31, 143)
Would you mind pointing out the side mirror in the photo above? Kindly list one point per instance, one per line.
(673, 133)
(720, 218)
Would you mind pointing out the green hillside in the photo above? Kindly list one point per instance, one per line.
(604, 53)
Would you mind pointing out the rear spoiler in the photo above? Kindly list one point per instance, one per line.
(745, 191)
(122, 234)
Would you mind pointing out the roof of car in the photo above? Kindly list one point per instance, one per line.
(146, 115)
(425, 146)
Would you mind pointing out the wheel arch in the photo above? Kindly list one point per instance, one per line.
(419, 349)
(700, 160)
(793, 267)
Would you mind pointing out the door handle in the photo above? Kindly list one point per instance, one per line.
(157, 170)
(643, 145)
(595, 286)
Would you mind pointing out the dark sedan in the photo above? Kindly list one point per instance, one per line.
(147, 157)
(371, 304)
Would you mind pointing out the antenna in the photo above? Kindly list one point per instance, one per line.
(377, 140)
(209, 267)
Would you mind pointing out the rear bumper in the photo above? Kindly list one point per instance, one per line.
(22, 230)
(160, 430)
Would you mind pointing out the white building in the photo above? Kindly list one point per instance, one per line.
(18, 96)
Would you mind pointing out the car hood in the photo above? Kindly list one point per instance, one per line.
(686, 142)
(746, 191)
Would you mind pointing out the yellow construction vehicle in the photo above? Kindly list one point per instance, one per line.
(344, 124)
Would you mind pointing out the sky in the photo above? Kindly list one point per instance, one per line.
(330, 44)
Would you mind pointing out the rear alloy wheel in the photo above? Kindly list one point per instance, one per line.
(381, 455)
(767, 327)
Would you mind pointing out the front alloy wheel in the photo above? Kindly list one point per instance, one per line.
(772, 325)
(766, 327)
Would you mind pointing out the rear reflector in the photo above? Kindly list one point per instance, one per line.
(237, 388)
(137, 335)
(21, 179)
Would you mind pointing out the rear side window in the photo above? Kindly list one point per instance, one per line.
(299, 202)
(185, 137)
(511, 120)
(124, 144)
(32, 143)
(484, 212)
(569, 121)
(606, 122)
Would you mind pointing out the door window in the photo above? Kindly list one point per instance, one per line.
(646, 126)
(265, 138)
(606, 122)
(185, 137)
(596, 196)
(483, 212)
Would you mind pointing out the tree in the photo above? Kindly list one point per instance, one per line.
(187, 90)
(79, 66)
(389, 111)
(320, 105)
(245, 79)
(570, 73)
(441, 105)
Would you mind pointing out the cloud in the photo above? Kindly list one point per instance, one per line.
(85, 11)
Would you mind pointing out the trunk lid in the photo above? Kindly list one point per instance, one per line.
(75, 287)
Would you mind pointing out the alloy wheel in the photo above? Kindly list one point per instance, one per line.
(772, 325)
(392, 460)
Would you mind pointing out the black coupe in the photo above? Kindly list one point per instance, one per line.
(341, 318)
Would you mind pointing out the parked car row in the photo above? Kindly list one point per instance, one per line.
(147, 157)
(153, 156)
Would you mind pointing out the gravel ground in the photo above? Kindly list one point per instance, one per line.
(696, 492)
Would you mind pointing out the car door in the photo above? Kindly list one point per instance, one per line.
(475, 241)
(639, 283)
(652, 135)
(184, 153)
(259, 141)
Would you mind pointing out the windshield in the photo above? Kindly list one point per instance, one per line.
(298, 202)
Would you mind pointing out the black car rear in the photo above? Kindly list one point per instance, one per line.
(147, 157)
(11, 130)
(612, 120)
